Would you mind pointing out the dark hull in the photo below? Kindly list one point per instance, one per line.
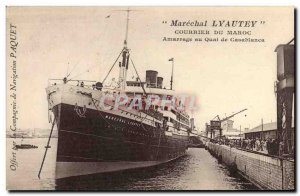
(101, 140)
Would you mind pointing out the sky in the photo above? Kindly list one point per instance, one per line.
(225, 77)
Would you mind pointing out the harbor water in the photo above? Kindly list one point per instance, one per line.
(197, 170)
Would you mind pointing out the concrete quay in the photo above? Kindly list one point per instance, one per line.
(265, 171)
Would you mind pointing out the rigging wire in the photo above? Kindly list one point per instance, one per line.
(112, 66)
(158, 146)
(145, 94)
(138, 76)
(105, 40)
(78, 75)
(142, 119)
(99, 112)
(90, 67)
(101, 35)
(73, 68)
(68, 68)
(290, 41)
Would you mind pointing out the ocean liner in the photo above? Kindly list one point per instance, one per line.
(95, 138)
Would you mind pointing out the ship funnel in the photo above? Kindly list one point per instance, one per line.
(160, 82)
(151, 78)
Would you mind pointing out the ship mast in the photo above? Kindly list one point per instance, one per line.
(126, 32)
(171, 82)
(125, 57)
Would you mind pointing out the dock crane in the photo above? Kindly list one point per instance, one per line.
(216, 124)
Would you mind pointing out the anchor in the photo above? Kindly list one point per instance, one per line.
(80, 113)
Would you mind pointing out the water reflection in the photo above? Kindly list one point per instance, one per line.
(198, 170)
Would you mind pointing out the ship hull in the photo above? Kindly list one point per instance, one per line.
(71, 169)
(96, 141)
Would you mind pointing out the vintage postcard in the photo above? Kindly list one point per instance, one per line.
(150, 98)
